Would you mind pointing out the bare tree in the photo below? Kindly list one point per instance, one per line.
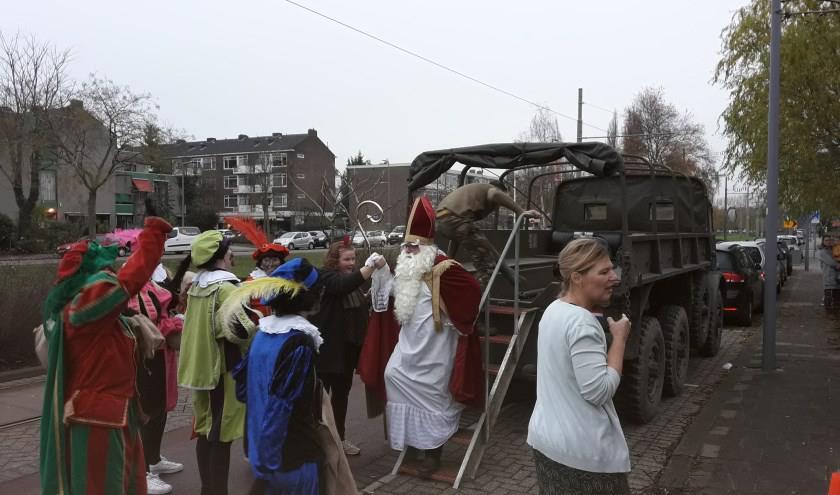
(91, 132)
(332, 204)
(612, 131)
(32, 84)
(656, 130)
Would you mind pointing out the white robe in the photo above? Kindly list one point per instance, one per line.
(421, 412)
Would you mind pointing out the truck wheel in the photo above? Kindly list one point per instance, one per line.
(699, 318)
(712, 345)
(641, 387)
(675, 332)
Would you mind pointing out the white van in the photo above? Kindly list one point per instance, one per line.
(180, 239)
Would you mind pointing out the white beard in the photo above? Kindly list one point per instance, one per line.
(408, 277)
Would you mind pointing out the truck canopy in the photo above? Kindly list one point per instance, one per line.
(596, 158)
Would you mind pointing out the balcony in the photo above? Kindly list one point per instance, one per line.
(242, 170)
(258, 188)
(243, 189)
(243, 208)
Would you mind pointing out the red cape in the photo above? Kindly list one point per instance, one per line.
(461, 295)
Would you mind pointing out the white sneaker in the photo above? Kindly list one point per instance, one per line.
(350, 449)
(156, 486)
(165, 466)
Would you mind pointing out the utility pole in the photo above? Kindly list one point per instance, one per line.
(580, 116)
(768, 347)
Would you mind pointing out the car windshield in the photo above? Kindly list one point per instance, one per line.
(399, 229)
(190, 230)
(288, 235)
(725, 261)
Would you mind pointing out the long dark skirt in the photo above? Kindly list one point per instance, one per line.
(554, 478)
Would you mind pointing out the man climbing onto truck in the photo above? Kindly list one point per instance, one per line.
(456, 217)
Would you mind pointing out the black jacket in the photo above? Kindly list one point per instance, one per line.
(342, 328)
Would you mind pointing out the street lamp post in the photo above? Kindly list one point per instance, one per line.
(768, 348)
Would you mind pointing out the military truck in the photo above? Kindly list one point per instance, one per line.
(658, 226)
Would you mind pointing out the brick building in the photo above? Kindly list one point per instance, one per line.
(281, 176)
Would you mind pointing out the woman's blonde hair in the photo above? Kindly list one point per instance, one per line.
(579, 256)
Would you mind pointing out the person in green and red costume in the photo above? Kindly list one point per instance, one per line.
(90, 436)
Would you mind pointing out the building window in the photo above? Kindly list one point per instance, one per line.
(301, 196)
(231, 202)
(281, 200)
(230, 162)
(278, 159)
(48, 186)
(280, 180)
(230, 181)
(208, 163)
(300, 155)
(242, 160)
(299, 175)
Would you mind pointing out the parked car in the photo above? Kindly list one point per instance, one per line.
(296, 240)
(180, 239)
(102, 240)
(376, 238)
(784, 257)
(743, 283)
(320, 238)
(756, 252)
(227, 233)
(397, 235)
(800, 236)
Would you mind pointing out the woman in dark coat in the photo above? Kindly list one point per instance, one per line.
(342, 320)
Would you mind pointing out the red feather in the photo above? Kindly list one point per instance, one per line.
(248, 227)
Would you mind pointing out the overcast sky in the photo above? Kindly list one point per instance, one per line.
(218, 69)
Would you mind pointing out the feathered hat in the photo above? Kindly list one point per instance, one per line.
(287, 280)
(249, 228)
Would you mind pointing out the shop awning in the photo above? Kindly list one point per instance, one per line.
(143, 185)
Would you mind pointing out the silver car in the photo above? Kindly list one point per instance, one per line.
(296, 240)
(376, 238)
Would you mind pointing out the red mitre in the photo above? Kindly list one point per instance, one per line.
(269, 249)
(72, 260)
(421, 222)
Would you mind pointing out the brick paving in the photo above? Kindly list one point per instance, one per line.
(508, 464)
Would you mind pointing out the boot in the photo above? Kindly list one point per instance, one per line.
(431, 463)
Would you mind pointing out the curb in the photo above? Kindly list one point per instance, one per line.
(20, 373)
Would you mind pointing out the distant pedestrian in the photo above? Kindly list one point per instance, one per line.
(830, 265)
(342, 320)
(578, 443)
(467, 204)
(90, 435)
(209, 351)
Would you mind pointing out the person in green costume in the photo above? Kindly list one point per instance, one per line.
(209, 351)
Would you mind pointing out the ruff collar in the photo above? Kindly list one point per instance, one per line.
(205, 278)
(257, 273)
(284, 324)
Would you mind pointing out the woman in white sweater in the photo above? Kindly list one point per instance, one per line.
(578, 443)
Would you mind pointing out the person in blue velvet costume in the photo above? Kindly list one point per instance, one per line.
(277, 381)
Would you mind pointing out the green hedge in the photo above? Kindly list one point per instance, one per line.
(25, 286)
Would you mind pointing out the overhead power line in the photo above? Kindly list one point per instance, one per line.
(439, 65)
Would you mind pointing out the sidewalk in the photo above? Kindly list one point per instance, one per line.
(771, 432)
